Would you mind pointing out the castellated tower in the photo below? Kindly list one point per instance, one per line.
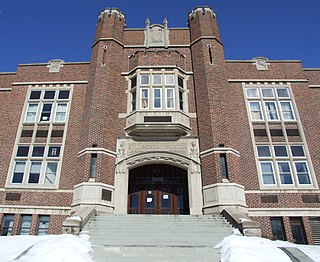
(213, 97)
(100, 123)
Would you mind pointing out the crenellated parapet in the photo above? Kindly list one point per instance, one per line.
(112, 12)
(202, 10)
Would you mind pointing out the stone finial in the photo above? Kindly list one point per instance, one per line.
(165, 21)
(55, 65)
(147, 22)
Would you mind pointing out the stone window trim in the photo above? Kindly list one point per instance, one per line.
(36, 127)
(305, 178)
(144, 85)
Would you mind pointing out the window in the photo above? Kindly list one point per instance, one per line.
(61, 112)
(284, 164)
(297, 151)
(18, 172)
(285, 173)
(25, 226)
(93, 165)
(157, 90)
(252, 92)
(264, 151)
(31, 113)
(271, 110)
(280, 151)
(157, 98)
(145, 98)
(267, 92)
(34, 173)
(277, 227)
(170, 98)
(43, 226)
(303, 173)
(287, 112)
(51, 173)
(267, 173)
(255, 110)
(298, 231)
(224, 168)
(282, 93)
(36, 167)
(47, 106)
(7, 224)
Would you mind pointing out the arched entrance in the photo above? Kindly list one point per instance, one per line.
(158, 189)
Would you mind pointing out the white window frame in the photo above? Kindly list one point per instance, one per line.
(267, 111)
(295, 157)
(34, 113)
(273, 173)
(308, 170)
(63, 112)
(147, 98)
(154, 97)
(261, 112)
(264, 146)
(290, 171)
(252, 88)
(282, 112)
(173, 97)
(267, 88)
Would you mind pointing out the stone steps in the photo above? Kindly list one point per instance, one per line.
(156, 237)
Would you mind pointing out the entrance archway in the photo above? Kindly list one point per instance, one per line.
(158, 189)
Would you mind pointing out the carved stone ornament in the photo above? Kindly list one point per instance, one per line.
(55, 65)
(157, 35)
(261, 63)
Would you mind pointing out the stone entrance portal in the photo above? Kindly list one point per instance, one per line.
(158, 189)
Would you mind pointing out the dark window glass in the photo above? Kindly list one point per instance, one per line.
(54, 151)
(38, 151)
(23, 151)
(134, 200)
(264, 151)
(292, 132)
(181, 100)
(166, 201)
(7, 224)
(133, 101)
(93, 166)
(18, 172)
(46, 112)
(180, 82)
(43, 227)
(223, 163)
(133, 82)
(260, 132)
(280, 151)
(25, 224)
(34, 172)
(297, 151)
(298, 232)
(149, 201)
(35, 94)
(49, 94)
(278, 230)
(64, 94)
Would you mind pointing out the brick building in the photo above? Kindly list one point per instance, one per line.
(158, 122)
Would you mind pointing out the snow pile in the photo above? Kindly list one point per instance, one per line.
(51, 248)
(237, 248)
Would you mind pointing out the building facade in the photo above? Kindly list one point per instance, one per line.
(158, 122)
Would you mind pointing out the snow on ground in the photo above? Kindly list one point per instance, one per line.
(238, 248)
(51, 248)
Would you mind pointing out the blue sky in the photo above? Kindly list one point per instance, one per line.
(33, 31)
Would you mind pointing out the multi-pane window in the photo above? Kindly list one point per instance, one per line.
(270, 103)
(25, 224)
(157, 90)
(36, 165)
(43, 226)
(47, 106)
(6, 225)
(282, 165)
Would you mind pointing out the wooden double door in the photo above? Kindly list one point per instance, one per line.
(158, 189)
